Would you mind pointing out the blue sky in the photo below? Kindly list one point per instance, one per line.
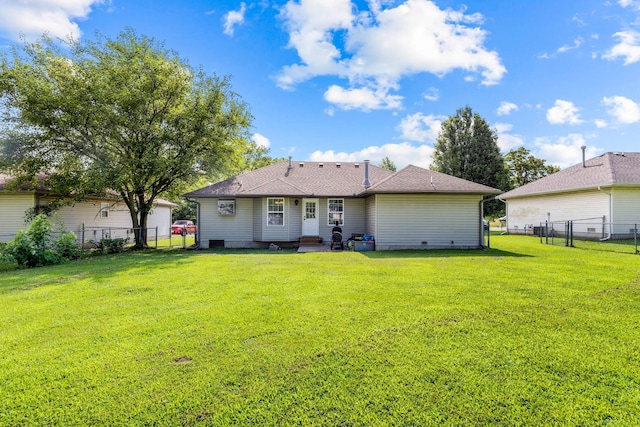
(348, 80)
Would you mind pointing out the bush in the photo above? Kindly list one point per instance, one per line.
(36, 245)
(108, 245)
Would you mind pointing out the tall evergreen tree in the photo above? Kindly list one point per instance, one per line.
(468, 148)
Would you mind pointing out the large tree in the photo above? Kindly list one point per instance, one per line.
(124, 115)
(468, 148)
(523, 167)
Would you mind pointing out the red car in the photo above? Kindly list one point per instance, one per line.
(183, 227)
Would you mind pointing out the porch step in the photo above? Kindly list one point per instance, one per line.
(310, 240)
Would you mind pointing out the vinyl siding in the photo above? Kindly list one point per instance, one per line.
(354, 218)
(117, 225)
(160, 217)
(370, 215)
(259, 218)
(532, 211)
(235, 230)
(427, 221)
(626, 209)
(12, 213)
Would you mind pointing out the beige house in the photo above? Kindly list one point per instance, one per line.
(413, 208)
(601, 196)
(91, 219)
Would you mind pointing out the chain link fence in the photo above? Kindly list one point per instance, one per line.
(591, 233)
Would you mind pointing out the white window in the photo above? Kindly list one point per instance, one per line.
(336, 211)
(275, 211)
(104, 210)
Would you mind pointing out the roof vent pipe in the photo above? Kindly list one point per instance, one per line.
(290, 166)
(584, 162)
(366, 183)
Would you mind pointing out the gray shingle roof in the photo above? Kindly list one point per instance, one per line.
(336, 179)
(609, 169)
(413, 179)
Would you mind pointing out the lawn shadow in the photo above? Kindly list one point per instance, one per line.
(96, 267)
(444, 253)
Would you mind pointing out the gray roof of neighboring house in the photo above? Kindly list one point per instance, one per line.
(607, 170)
(6, 182)
(336, 179)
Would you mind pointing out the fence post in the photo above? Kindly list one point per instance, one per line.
(635, 237)
(156, 237)
(571, 233)
(566, 233)
(546, 232)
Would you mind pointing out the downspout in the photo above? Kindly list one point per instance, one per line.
(482, 223)
(199, 222)
(608, 237)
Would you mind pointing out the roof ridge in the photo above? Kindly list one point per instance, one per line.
(387, 178)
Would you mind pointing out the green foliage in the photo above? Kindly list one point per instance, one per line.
(111, 245)
(122, 114)
(468, 148)
(521, 334)
(37, 246)
(186, 209)
(388, 164)
(523, 167)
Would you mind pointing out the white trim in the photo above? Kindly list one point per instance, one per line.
(276, 212)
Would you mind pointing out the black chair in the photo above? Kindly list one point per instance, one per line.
(336, 237)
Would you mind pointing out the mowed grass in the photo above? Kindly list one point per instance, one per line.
(522, 334)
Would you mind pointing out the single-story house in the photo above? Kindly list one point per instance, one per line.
(92, 218)
(600, 195)
(286, 201)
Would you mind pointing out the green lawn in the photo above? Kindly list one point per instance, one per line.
(522, 334)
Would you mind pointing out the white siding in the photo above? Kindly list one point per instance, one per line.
(74, 217)
(13, 208)
(427, 221)
(531, 211)
(626, 209)
(160, 217)
(236, 230)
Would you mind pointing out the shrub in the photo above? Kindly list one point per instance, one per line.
(108, 245)
(36, 245)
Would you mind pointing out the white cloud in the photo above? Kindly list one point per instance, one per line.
(506, 108)
(623, 109)
(378, 47)
(433, 94)
(564, 151)
(362, 98)
(34, 18)
(261, 140)
(601, 123)
(576, 44)
(420, 128)
(628, 47)
(401, 155)
(564, 112)
(233, 18)
(506, 140)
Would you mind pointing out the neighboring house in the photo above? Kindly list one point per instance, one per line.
(600, 195)
(92, 219)
(409, 209)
